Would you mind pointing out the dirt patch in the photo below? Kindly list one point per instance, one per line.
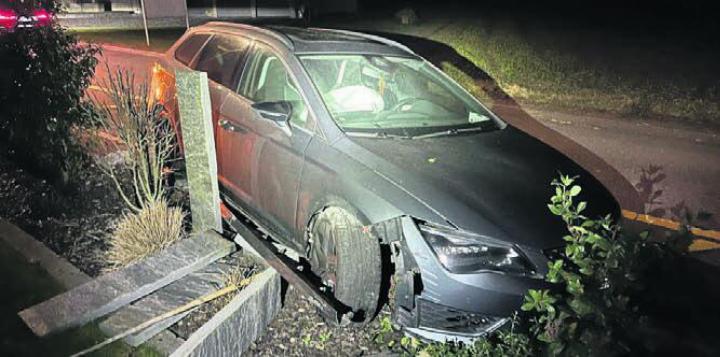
(74, 225)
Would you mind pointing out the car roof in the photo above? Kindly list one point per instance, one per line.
(317, 40)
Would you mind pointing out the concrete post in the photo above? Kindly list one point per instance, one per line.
(200, 160)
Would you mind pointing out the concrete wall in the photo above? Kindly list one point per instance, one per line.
(117, 21)
(126, 14)
(165, 8)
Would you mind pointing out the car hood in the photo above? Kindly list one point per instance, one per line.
(492, 183)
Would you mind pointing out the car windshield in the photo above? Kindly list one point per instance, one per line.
(393, 95)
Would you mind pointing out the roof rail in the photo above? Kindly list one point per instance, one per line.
(277, 35)
(375, 38)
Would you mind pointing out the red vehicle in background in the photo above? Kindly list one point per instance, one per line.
(18, 14)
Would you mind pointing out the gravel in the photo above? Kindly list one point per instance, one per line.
(298, 330)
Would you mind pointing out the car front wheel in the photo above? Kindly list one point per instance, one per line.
(347, 260)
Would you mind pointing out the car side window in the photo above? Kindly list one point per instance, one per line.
(267, 80)
(187, 50)
(221, 58)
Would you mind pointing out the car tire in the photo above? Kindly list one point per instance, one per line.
(358, 268)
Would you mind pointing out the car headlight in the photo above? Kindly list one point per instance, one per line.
(464, 253)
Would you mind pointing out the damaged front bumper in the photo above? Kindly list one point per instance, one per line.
(434, 304)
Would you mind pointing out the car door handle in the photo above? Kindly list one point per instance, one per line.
(227, 125)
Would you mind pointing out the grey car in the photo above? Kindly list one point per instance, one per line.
(321, 133)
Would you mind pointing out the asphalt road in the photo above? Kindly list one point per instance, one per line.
(677, 163)
(674, 167)
(139, 62)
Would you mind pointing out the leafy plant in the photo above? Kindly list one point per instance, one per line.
(307, 340)
(323, 338)
(591, 311)
(43, 77)
(502, 343)
(383, 333)
(145, 137)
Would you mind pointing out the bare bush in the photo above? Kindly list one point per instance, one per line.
(144, 135)
(143, 233)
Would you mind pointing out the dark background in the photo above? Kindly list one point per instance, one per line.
(659, 17)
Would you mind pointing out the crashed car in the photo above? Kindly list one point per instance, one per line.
(18, 14)
(322, 132)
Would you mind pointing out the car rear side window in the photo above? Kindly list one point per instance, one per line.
(222, 57)
(187, 50)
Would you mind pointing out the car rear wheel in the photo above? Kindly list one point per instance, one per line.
(347, 260)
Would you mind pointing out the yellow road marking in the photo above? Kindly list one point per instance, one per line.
(709, 239)
(701, 244)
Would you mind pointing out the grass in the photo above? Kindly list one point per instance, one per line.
(26, 284)
(140, 234)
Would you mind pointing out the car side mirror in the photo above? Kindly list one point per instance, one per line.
(279, 111)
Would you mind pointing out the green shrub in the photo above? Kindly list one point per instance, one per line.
(43, 76)
(593, 309)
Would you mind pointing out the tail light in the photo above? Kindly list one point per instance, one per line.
(8, 19)
(42, 17)
(155, 90)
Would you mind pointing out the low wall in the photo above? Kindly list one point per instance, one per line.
(117, 21)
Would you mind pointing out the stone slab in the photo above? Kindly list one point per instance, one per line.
(114, 290)
(68, 275)
(231, 331)
(198, 141)
(177, 294)
(36, 252)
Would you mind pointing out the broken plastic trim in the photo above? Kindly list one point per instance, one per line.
(406, 278)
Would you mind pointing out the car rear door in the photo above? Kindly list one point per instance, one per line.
(264, 160)
(222, 59)
(163, 75)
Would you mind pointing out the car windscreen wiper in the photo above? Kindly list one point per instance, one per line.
(451, 131)
(377, 134)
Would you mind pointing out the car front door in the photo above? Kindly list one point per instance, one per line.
(266, 157)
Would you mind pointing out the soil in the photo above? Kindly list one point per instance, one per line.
(244, 267)
(74, 224)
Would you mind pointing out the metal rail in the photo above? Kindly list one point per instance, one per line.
(367, 36)
(262, 30)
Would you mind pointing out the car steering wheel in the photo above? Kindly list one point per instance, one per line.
(408, 101)
(395, 108)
